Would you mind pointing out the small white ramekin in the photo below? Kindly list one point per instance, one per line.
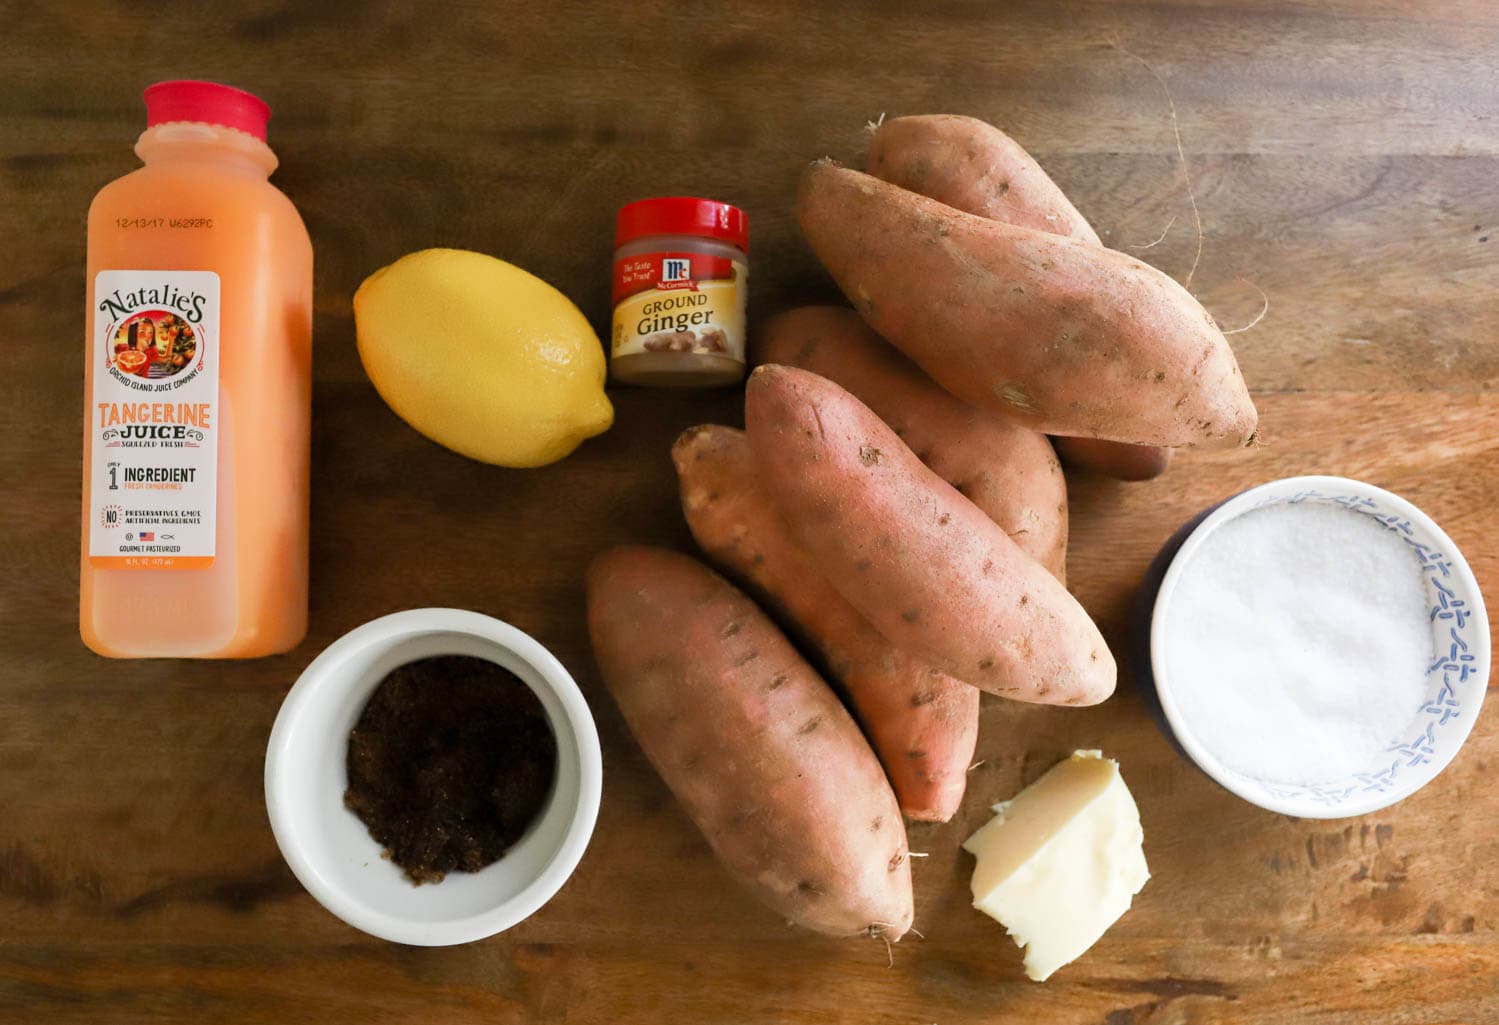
(328, 847)
(1456, 683)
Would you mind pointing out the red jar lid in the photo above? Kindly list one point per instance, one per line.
(208, 102)
(682, 215)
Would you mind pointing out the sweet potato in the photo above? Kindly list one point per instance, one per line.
(932, 573)
(1053, 332)
(921, 722)
(1008, 471)
(753, 743)
(1113, 458)
(972, 166)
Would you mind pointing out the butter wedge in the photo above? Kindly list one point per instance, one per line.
(1059, 862)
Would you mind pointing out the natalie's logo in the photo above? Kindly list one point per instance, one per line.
(166, 297)
(154, 345)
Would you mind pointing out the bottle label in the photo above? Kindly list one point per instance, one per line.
(154, 419)
(679, 302)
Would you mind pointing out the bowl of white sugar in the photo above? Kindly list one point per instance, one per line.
(1317, 645)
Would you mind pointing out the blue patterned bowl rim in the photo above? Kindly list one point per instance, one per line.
(1456, 681)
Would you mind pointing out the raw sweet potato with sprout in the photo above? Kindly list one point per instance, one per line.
(972, 166)
(1053, 332)
(932, 573)
(1008, 471)
(757, 748)
(921, 722)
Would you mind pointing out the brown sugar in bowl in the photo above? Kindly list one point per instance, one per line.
(331, 851)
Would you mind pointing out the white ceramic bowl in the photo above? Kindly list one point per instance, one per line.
(328, 847)
(1455, 684)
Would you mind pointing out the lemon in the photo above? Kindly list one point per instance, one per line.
(482, 357)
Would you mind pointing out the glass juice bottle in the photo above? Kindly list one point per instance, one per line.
(197, 386)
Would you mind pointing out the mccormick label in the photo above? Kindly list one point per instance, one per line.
(679, 302)
(154, 419)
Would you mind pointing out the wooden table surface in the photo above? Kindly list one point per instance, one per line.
(1344, 160)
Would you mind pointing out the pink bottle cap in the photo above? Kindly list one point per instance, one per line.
(208, 102)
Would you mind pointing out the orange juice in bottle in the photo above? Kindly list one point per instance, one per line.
(197, 386)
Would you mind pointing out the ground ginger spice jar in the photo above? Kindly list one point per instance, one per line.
(681, 275)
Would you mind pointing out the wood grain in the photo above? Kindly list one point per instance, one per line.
(1343, 156)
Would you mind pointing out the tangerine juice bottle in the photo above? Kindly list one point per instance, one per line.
(197, 386)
